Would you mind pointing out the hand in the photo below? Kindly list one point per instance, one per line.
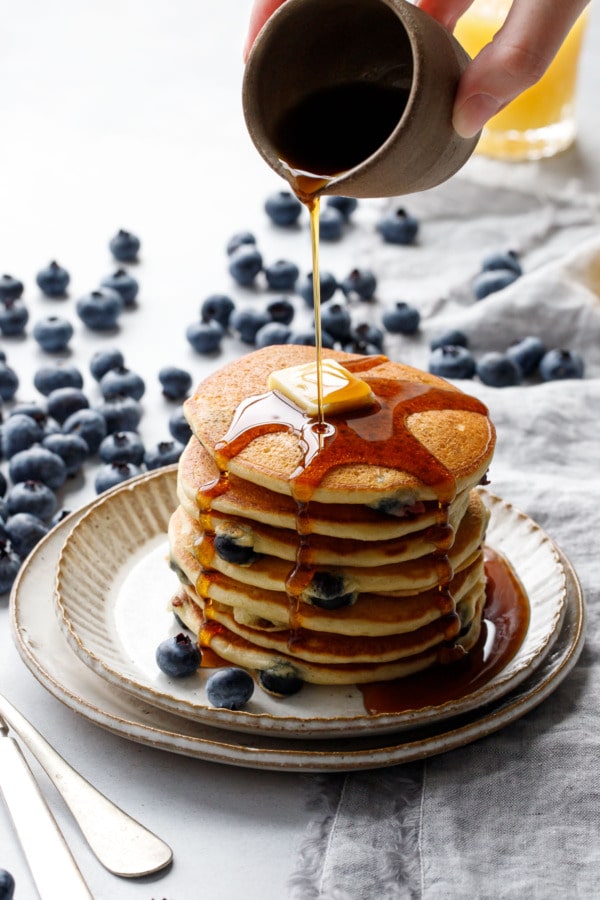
(518, 56)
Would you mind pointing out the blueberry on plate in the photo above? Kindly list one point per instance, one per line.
(89, 424)
(100, 309)
(498, 370)
(453, 337)
(282, 275)
(236, 240)
(557, 364)
(450, 361)
(53, 333)
(244, 264)
(398, 227)
(331, 224)
(179, 427)
(19, 432)
(218, 307)
(71, 448)
(9, 381)
(281, 310)
(120, 413)
(57, 375)
(283, 208)
(125, 246)
(205, 337)
(175, 382)
(10, 563)
(401, 318)
(32, 497)
(492, 280)
(14, 316)
(504, 260)
(229, 688)
(25, 531)
(345, 205)
(123, 381)
(10, 288)
(527, 353)
(122, 446)
(124, 284)
(367, 333)
(164, 453)
(246, 323)
(308, 338)
(178, 656)
(103, 360)
(271, 334)
(328, 286)
(281, 680)
(53, 280)
(63, 402)
(59, 515)
(361, 283)
(37, 463)
(336, 320)
(111, 474)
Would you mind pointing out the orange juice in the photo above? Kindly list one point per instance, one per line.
(539, 122)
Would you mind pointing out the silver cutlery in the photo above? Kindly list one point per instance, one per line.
(123, 845)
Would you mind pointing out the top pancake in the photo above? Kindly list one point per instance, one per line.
(444, 428)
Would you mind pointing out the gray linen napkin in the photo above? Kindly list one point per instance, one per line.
(516, 814)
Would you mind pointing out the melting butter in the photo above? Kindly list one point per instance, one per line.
(342, 391)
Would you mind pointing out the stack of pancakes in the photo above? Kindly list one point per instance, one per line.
(343, 554)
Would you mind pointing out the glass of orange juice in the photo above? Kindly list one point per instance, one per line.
(541, 121)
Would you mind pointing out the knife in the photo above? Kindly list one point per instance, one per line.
(55, 872)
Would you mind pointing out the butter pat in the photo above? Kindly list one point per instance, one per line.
(342, 391)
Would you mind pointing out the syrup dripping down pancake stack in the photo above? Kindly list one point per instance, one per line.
(339, 554)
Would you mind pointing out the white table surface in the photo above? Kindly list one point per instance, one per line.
(128, 115)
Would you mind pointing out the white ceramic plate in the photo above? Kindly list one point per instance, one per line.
(45, 651)
(113, 585)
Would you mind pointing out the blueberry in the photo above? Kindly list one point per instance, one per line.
(175, 382)
(30, 408)
(507, 260)
(3, 484)
(89, 424)
(498, 370)
(345, 205)
(449, 361)
(14, 316)
(366, 333)
(331, 224)
(164, 453)
(111, 474)
(122, 446)
(59, 516)
(3, 509)
(281, 680)
(25, 531)
(270, 334)
(18, 433)
(37, 463)
(282, 275)
(63, 402)
(178, 656)
(557, 364)
(246, 323)
(229, 688)
(244, 264)
(53, 333)
(336, 320)
(527, 353)
(401, 318)
(231, 551)
(72, 449)
(308, 338)
(123, 381)
(32, 497)
(124, 284)
(179, 427)
(9, 381)
(492, 280)
(10, 563)
(327, 586)
(124, 246)
(360, 283)
(281, 310)
(365, 348)
(103, 360)
(205, 337)
(398, 227)
(283, 208)
(120, 413)
(53, 280)
(57, 375)
(218, 307)
(328, 285)
(236, 240)
(100, 309)
(10, 287)
(452, 337)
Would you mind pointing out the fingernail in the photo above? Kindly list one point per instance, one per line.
(470, 118)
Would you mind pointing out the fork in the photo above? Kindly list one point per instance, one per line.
(122, 844)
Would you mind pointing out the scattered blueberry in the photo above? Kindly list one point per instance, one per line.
(246, 323)
(398, 227)
(37, 463)
(63, 402)
(527, 353)
(557, 364)
(506, 260)
(178, 656)
(492, 280)
(345, 205)
(281, 310)
(59, 516)
(236, 240)
(53, 280)
(111, 474)
(452, 337)
(10, 563)
(19, 432)
(218, 307)
(53, 333)
(32, 497)
(233, 552)
(3, 484)
(229, 688)
(450, 361)
(282, 275)
(72, 449)
(123, 381)
(336, 320)
(367, 333)
(14, 316)
(100, 309)
(283, 208)
(89, 424)
(355, 345)
(122, 446)
(57, 375)
(124, 246)
(25, 531)
(163, 454)
(124, 284)
(328, 285)
(308, 338)
(103, 360)
(401, 318)
(282, 680)
(179, 427)
(498, 370)
(9, 381)
(120, 413)
(205, 337)
(331, 224)
(360, 283)
(244, 264)
(175, 382)
(10, 288)
(271, 334)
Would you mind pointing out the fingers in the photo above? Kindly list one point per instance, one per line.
(260, 12)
